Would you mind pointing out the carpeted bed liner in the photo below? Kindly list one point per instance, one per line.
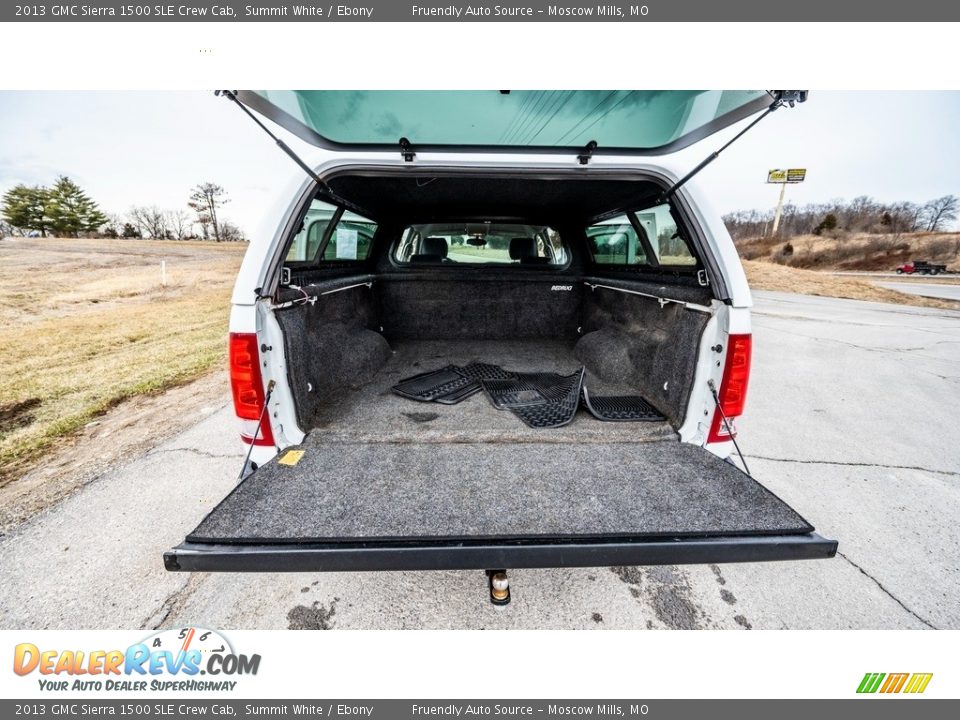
(374, 413)
(348, 492)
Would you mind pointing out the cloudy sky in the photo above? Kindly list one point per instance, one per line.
(150, 148)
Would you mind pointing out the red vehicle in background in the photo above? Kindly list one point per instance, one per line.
(921, 266)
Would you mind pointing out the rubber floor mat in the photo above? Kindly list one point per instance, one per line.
(620, 408)
(485, 371)
(476, 372)
(541, 400)
(512, 393)
(429, 386)
(449, 385)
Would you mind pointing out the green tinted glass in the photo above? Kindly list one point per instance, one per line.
(349, 240)
(481, 242)
(627, 119)
(617, 242)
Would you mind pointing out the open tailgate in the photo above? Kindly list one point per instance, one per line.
(381, 506)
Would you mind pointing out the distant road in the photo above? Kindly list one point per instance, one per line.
(945, 291)
(910, 278)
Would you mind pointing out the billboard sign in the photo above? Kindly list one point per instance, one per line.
(793, 175)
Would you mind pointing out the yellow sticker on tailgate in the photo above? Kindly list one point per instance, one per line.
(291, 457)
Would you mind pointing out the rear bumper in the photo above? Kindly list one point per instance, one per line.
(341, 557)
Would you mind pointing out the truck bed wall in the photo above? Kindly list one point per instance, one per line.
(330, 346)
(450, 308)
(634, 340)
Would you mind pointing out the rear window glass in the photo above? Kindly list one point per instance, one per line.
(518, 118)
(648, 237)
(349, 238)
(481, 243)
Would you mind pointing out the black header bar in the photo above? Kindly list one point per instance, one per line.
(530, 11)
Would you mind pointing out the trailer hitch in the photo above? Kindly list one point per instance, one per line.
(499, 587)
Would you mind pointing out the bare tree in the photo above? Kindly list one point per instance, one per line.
(205, 199)
(862, 214)
(137, 217)
(940, 211)
(204, 222)
(231, 233)
(151, 222)
(178, 221)
(903, 217)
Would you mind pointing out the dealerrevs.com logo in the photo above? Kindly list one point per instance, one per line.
(168, 660)
(892, 683)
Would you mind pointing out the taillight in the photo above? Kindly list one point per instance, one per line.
(246, 382)
(733, 388)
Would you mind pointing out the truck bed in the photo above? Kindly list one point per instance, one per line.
(372, 413)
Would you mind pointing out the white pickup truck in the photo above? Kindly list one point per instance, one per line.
(542, 255)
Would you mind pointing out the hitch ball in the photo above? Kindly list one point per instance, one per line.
(499, 588)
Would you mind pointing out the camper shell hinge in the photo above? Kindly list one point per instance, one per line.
(584, 157)
(406, 149)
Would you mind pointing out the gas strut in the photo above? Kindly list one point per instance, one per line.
(232, 96)
(781, 98)
(256, 433)
(727, 425)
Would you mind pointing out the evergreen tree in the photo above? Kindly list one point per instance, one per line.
(24, 208)
(71, 211)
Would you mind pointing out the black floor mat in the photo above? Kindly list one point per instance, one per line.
(541, 400)
(620, 408)
(448, 385)
(485, 371)
(472, 387)
(512, 393)
(429, 386)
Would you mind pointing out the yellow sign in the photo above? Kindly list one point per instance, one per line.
(793, 175)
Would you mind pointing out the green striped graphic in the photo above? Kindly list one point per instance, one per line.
(871, 682)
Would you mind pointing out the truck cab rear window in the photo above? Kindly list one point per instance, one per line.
(645, 238)
(331, 234)
(480, 242)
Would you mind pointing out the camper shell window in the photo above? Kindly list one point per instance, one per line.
(481, 243)
(331, 234)
(647, 237)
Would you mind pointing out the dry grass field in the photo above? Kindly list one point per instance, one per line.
(854, 251)
(88, 324)
(764, 275)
